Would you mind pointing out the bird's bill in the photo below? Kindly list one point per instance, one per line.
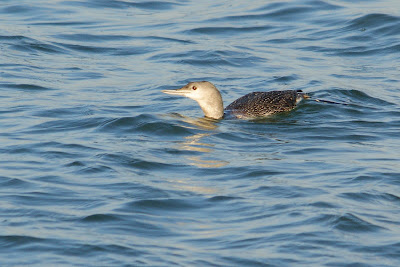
(182, 91)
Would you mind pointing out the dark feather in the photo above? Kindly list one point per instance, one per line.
(259, 104)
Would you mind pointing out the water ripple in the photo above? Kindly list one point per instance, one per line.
(151, 5)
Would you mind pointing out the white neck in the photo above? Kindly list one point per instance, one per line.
(212, 108)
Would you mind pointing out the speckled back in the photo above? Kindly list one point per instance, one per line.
(258, 104)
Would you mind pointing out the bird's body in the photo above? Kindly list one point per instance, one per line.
(261, 104)
(252, 105)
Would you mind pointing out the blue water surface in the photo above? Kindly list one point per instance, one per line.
(99, 168)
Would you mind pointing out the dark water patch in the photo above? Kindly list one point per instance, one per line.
(7, 182)
(354, 224)
(365, 179)
(222, 199)
(323, 205)
(263, 173)
(75, 163)
(284, 79)
(12, 241)
(26, 87)
(100, 218)
(179, 152)
(242, 261)
(371, 21)
(178, 205)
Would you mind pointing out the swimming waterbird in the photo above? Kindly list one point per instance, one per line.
(252, 105)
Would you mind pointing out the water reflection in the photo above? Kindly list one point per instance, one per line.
(197, 123)
(202, 163)
(193, 143)
(196, 142)
(190, 185)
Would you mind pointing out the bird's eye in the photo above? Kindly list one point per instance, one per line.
(194, 87)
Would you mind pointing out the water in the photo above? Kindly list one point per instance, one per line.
(99, 168)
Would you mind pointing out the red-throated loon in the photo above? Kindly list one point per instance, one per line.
(252, 105)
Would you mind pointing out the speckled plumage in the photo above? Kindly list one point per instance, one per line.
(260, 104)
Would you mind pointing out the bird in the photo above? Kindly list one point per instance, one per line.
(250, 106)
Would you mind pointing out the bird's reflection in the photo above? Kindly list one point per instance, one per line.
(196, 142)
(197, 123)
(188, 184)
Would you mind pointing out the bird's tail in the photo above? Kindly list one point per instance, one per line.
(306, 96)
(329, 102)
